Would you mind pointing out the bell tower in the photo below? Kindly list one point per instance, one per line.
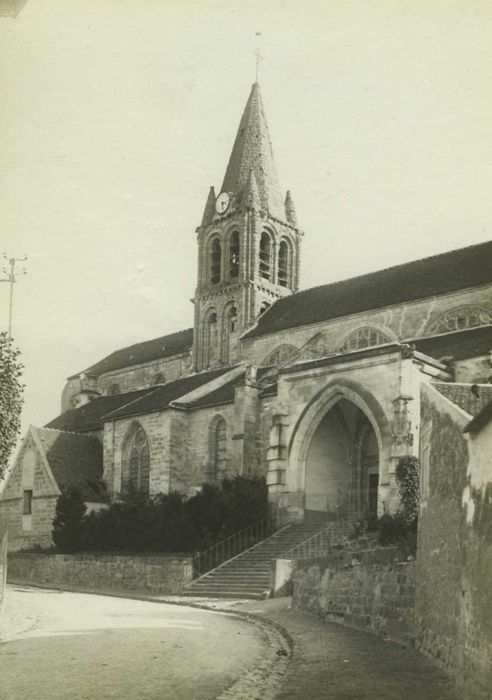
(248, 244)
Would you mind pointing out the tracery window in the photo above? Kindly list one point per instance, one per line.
(234, 250)
(218, 437)
(460, 318)
(159, 378)
(363, 338)
(265, 256)
(283, 264)
(265, 305)
(136, 461)
(114, 389)
(215, 261)
(281, 356)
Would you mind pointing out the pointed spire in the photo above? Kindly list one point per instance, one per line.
(290, 210)
(209, 211)
(251, 196)
(252, 150)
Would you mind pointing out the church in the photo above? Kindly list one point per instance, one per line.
(318, 390)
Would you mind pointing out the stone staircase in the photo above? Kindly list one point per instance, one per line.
(247, 575)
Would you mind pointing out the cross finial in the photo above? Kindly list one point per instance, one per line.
(258, 54)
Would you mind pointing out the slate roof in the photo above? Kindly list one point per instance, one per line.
(447, 272)
(89, 417)
(471, 342)
(140, 353)
(76, 461)
(225, 393)
(160, 397)
(463, 396)
(480, 420)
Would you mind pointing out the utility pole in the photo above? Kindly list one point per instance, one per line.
(9, 270)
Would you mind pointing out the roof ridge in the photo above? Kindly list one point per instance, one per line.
(67, 432)
(413, 261)
(464, 384)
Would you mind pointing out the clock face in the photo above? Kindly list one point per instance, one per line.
(222, 202)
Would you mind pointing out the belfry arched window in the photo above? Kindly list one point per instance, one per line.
(135, 470)
(218, 448)
(283, 275)
(230, 330)
(234, 251)
(210, 339)
(215, 261)
(266, 256)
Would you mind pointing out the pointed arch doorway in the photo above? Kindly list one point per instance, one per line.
(342, 466)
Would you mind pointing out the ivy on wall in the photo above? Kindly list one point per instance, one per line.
(408, 481)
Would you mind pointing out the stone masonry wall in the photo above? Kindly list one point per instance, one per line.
(400, 322)
(92, 572)
(371, 590)
(131, 378)
(454, 564)
(157, 427)
(28, 472)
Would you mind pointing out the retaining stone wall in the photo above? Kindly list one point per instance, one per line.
(371, 590)
(93, 572)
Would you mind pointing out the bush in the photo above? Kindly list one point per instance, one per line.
(396, 529)
(166, 522)
(140, 523)
(220, 510)
(67, 523)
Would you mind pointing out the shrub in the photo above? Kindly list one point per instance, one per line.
(67, 523)
(220, 510)
(166, 522)
(396, 529)
(140, 523)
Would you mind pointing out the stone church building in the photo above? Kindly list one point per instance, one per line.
(319, 390)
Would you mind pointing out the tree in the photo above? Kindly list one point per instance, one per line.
(69, 512)
(11, 398)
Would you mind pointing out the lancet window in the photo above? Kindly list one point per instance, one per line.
(136, 461)
(218, 451)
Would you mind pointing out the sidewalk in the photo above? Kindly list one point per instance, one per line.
(332, 662)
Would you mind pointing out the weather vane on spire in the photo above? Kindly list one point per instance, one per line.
(257, 54)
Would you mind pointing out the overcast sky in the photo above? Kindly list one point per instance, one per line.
(117, 115)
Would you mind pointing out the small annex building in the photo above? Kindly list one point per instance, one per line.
(49, 462)
(319, 390)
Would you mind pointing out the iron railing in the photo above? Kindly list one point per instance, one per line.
(230, 547)
(321, 543)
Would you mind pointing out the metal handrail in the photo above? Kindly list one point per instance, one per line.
(320, 543)
(229, 547)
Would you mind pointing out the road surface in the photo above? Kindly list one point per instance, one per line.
(59, 646)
